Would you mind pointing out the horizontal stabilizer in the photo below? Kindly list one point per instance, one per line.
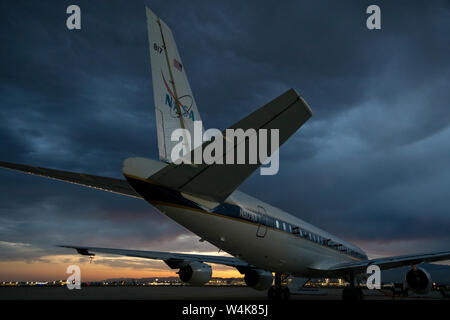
(216, 182)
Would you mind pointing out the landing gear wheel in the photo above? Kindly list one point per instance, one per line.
(278, 292)
(285, 293)
(271, 294)
(352, 293)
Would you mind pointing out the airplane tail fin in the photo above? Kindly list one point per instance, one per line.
(175, 105)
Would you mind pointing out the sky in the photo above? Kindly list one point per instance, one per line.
(371, 166)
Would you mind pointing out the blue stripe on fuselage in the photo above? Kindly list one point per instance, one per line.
(155, 194)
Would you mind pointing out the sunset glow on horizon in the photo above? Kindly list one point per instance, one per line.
(51, 268)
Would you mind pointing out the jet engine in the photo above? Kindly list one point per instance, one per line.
(418, 280)
(258, 279)
(195, 273)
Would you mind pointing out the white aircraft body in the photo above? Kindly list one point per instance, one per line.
(261, 239)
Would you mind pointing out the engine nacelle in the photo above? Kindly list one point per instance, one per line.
(195, 273)
(418, 280)
(258, 279)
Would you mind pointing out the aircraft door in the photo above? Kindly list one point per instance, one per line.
(262, 219)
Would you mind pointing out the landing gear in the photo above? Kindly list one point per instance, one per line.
(398, 290)
(352, 292)
(281, 293)
(278, 292)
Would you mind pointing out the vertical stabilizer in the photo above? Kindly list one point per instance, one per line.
(175, 105)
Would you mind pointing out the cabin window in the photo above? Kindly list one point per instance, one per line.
(278, 225)
(284, 226)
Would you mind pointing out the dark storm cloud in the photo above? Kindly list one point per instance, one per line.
(372, 163)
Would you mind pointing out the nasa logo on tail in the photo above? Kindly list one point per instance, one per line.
(171, 100)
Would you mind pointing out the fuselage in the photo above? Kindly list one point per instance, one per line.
(252, 230)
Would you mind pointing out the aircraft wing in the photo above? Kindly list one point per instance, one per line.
(216, 182)
(173, 260)
(389, 262)
(101, 183)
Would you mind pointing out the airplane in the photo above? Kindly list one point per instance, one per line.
(204, 198)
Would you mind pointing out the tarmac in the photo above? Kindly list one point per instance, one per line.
(184, 293)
